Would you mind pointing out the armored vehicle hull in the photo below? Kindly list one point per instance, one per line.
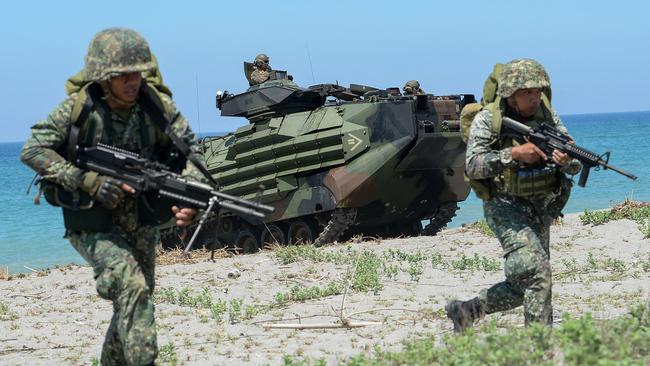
(336, 161)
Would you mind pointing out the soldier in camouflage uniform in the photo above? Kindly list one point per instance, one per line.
(526, 191)
(412, 87)
(261, 69)
(122, 253)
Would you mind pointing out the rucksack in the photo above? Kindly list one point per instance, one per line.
(490, 97)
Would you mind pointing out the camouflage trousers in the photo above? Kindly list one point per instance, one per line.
(522, 227)
(124, 272)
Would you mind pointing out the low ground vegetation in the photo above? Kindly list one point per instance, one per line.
(576, 341)
(633, 210)
(205, 316)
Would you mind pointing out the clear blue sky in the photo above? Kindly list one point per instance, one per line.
(597, 52)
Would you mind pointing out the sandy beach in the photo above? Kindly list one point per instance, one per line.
(393, 290)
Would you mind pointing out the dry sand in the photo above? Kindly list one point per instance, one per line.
(57, 318)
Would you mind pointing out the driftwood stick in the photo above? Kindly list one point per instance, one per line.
(320, 325)
(381, 309)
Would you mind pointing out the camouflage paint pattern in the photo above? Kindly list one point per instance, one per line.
(123, 265)
(520, 223)
(522, 74)
(522, 227)
(122, 259)
(116, 51)
(313, 157)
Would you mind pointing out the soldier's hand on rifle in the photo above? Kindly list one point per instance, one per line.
(561, 158)
(184, 216)
(106, 190)
(528, 153)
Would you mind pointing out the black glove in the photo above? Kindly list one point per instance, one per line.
(103, 189)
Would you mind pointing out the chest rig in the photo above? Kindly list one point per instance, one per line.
(524, 180)
(91, 123)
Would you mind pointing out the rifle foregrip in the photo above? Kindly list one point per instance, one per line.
(584, 175)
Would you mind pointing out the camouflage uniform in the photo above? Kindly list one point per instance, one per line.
(123, 258)
(261, 69)
(521, 223)
(412, 87)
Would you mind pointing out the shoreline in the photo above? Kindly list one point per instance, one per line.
(5, 270)
(205, 317)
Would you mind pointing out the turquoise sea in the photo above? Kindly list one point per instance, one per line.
(32, 235)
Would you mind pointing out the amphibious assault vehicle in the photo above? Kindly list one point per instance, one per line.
(337, 161)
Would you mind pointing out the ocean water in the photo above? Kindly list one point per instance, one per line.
(32, 235)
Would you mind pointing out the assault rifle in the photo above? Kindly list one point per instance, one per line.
(146, 176)
(549, 138)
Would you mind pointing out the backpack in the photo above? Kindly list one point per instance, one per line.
(490, 96)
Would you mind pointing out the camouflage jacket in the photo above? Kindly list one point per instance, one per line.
(482, 161)
(259, 76)
(124, 131)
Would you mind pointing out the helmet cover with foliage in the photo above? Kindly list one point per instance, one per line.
(522, 74)
(117, 51)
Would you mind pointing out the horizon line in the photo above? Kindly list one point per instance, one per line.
(225, 132)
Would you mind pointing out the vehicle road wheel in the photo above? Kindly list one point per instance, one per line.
(247, 242)
(300, 233)
(272, 235)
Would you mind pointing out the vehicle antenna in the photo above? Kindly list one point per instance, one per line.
(310, 65)
(198, 113)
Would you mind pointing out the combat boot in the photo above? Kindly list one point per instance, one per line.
(464, 313)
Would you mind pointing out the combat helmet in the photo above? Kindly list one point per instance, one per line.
(261, 59)
(414, 84)
(522, 74)
(412, 87)
(116, 51)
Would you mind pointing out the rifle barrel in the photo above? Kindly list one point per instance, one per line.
(619, 171)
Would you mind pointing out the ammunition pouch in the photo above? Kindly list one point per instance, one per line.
(556, 205)
(81, 214)
(79, 210)
(525, 182)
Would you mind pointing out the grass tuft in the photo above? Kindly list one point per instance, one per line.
(634, 210)
(482, 227)
(579, 341)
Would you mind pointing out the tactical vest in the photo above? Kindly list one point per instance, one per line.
(90, 118)
(522, 180)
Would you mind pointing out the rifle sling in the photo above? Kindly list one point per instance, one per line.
(92, 91)
(159, 118)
